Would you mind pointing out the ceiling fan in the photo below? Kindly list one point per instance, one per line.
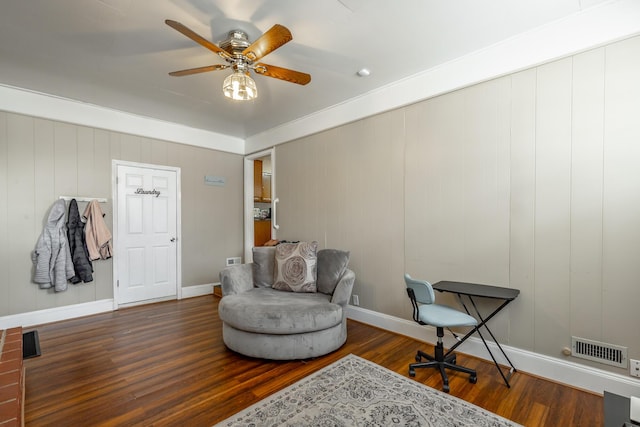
(242, 57)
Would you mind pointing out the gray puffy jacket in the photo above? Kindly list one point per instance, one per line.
(52, 258)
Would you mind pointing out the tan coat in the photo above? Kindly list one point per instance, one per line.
(97, 235)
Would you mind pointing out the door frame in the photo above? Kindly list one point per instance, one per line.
(248, 198)
(114, 195)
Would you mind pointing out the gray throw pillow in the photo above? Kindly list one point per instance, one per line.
(296, 266)
(263, 263)
(332, 264)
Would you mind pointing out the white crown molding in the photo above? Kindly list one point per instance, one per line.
(22, 101)
(554, 369)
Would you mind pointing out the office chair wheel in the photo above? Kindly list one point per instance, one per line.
(473, 379)
(418, 358)
(412, 372)
(445, 388)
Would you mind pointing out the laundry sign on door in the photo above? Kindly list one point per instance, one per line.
(143, 191)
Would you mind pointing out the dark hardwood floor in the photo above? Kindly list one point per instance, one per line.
(165, 364)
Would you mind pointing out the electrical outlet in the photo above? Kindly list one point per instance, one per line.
(634, 369)
(356, 300)
(234, 261)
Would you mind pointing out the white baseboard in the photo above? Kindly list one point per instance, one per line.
(198, 290)
(66, 312)
(56, 314)
(558, 370)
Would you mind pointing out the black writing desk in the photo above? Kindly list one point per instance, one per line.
(473, 290)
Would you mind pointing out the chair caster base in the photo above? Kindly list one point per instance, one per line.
(412, 373)
(473, 379)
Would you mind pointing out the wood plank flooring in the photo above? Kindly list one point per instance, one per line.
(165, 364)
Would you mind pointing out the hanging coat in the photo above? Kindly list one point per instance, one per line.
(52, 258)
(78, 247)
(96, 233)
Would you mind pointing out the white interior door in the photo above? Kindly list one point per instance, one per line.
(146, 243)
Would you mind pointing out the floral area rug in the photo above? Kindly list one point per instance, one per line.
(356, 392)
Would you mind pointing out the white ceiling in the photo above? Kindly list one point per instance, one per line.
(117, 53)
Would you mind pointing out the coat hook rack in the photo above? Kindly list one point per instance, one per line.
(84, 199)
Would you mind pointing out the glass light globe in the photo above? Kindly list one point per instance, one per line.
(240, 86)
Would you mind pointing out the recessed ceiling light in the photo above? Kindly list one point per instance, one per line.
(364, 72)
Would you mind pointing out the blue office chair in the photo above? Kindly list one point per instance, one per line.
(427, 312)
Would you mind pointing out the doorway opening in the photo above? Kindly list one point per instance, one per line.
(260, 201)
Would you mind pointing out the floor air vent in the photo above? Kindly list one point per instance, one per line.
(609, 354)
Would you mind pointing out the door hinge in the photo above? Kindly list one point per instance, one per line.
(118, 283)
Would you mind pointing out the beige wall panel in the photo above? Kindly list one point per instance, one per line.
(103, 269)
(21, 216)
(190, 224)
(434, 186)
(522, 207)
(381, 270)
(396, 303)
(357, 204)
(211, 215)
(86, 162)
(65, 159)
(586, 194)
(4, 213)
(309, 210)
(114, 146)
(146, 150)
(420, 134)
(621, 233)
(130, 148)
(486, 186)
(553, 210)
(336, 189)
(45, 192)
(159, 152)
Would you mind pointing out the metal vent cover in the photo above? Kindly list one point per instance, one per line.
(609, 354)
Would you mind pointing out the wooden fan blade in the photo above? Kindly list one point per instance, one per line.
(275, 37)
(283, 74)
(197, 70)
(197, 38)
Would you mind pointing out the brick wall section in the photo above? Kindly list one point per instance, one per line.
(11, 378)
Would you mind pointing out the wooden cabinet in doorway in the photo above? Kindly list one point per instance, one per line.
(257, 180)
(261, 232)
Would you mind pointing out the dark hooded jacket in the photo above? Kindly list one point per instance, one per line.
(82, 265)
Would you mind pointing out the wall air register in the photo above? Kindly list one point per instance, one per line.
(609, 354)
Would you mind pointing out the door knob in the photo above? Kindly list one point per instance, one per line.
(173, 239)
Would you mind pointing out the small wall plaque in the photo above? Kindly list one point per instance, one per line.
(218, 181)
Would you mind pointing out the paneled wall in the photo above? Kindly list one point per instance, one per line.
(41, 160)
(529, 181)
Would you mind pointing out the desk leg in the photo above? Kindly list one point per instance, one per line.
(483, 322)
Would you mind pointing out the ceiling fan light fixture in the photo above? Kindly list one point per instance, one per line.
(240, 86)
